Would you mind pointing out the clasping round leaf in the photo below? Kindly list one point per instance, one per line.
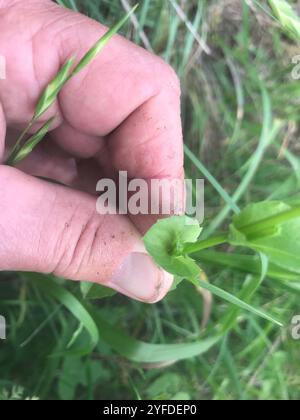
(165, 241)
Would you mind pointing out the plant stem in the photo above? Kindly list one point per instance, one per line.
(250, 229)
(208, 243)
(17, 146)
(270, 222)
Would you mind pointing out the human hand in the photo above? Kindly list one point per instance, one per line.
(122, 113)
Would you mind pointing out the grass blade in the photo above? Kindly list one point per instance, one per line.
(142, 352)
(69, 301)
(249, 288)
(269, 131)
(30, 144)
(217, 186)
(129, 347)
(238, 302)
(94, 51)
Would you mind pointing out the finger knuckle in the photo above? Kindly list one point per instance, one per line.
(169, 77)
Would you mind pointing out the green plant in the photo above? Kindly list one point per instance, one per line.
(241, 119)
(262, 227)
(14, 394)
(287, 17)
(48, 97)
(271, 228)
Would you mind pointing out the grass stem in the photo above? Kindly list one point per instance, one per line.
(18, 145)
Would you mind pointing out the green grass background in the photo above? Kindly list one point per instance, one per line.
(240, 111)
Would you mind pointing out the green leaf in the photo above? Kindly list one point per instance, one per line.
(257, 212)
(68, 300)
(249, 288)
(165, 242)
(76, 334)
(142, 352)
(238, 302)
(245, 264)
(75, 372)
(167, 384)
(71, 375)
(213, 181)
(127, 346)
(287, 17)
(95, 291)
(277, 238)
(31, 143)
(176, 282)
(94, 51)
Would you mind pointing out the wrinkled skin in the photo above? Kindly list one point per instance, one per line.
(121, 113)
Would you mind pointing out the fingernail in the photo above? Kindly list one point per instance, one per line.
(140, 278)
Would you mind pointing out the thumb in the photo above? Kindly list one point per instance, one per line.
(52, 229)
